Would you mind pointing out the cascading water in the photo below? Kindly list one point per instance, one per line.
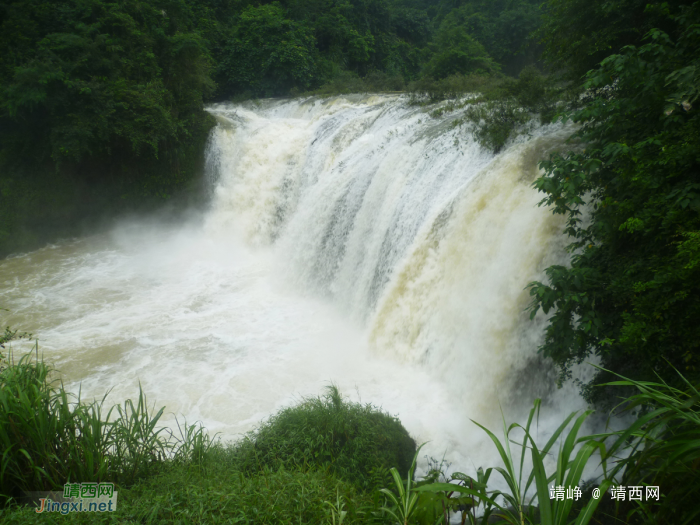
(356, 240)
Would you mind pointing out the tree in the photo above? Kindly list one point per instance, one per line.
(458, 52)
(632, 293)
(578, 34)
(96, 76)
(100, 107)
(268, 54)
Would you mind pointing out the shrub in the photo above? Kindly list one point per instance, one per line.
(380, 81)
(346, 82)
(343, 82)
(530, 88)
(500, 107)
(497, 121)
(359, 443)
(488, 87)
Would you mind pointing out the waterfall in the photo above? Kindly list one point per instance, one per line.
(354, 239)
(401, 220)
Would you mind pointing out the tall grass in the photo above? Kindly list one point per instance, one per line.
(50, 436)
(520, 505)
(661, 448)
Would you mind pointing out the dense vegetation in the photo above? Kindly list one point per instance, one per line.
(101, 102)
(632, 202)
(356, 443)
(101, 110)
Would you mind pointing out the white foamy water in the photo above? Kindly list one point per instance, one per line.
(355, 240)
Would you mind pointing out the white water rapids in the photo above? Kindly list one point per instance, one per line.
(356, 240)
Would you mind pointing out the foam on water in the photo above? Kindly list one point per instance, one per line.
(356, 240)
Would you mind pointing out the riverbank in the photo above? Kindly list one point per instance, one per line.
(290, 469)
(327, 460)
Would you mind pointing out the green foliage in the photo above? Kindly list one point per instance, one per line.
(220, 494)
(215, 493)
(498, 108)
(101, 101)
(661, 448)
(411, 25)
(377, 81)
(404, 503)
(7, 337)
(342, 83)
(501, 27)
(358, 443)
(100, 107)
(354, 35)
(510, 110)
(99, 75)
(50, 437)
(273, 48)
(631, 295)
(346, 82)
(479, 498)
(530, 90)
(407, 503)
(458, 53)
(578, 34)
(568, 473)
(497, 121)
(469, 497)
(517, 508)
(488, 87)
(338, 512)
(268, 54)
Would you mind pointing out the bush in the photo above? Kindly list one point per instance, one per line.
(358, 443)
(499, 108)
(380, 81)
(346, 82)
(343, 82)
(497, 121)
(530, 88)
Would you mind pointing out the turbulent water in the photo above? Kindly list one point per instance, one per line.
(354, 240)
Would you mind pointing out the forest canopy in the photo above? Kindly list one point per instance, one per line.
(101, 102)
